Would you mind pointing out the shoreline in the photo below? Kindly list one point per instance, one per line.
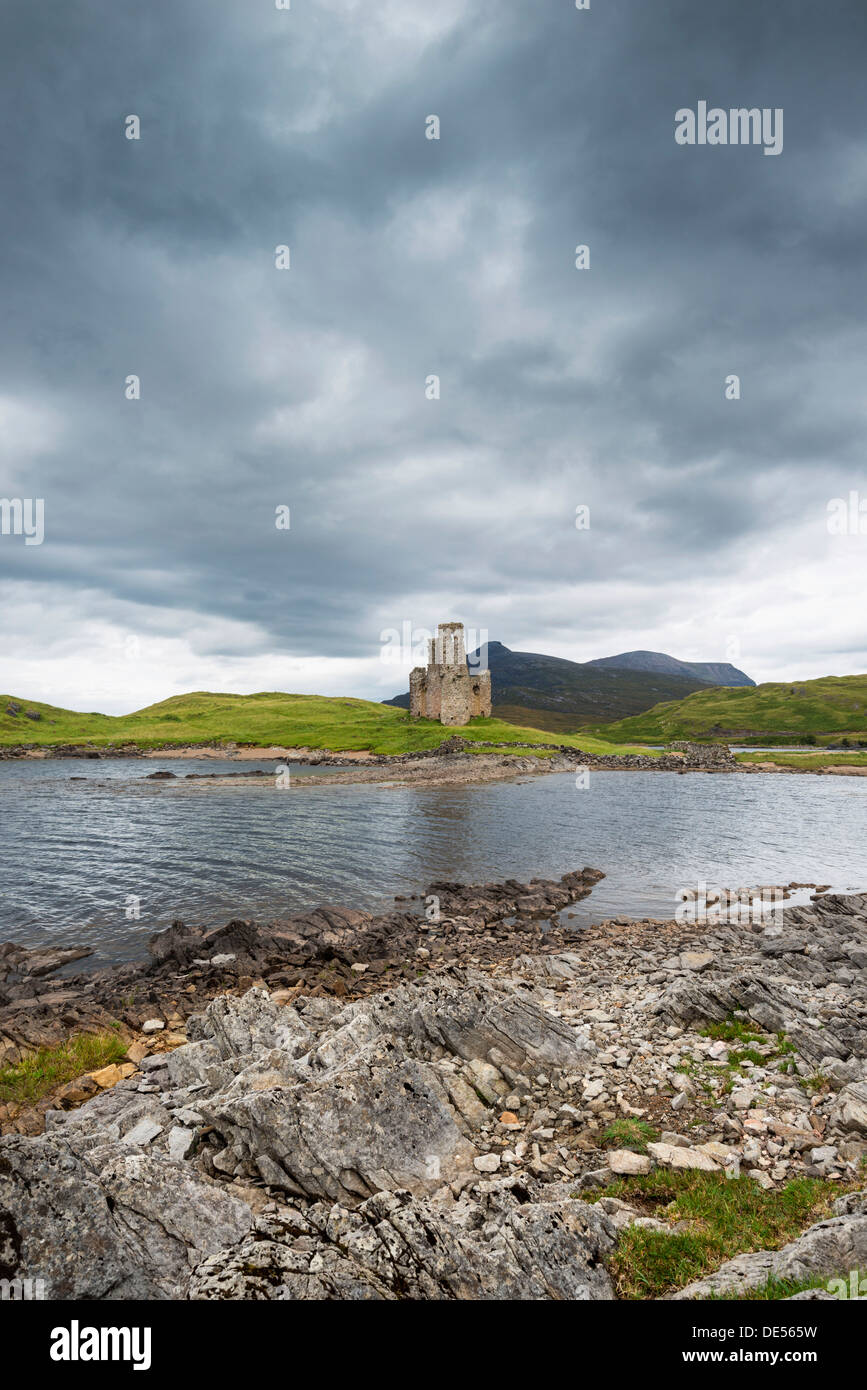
(450, 762)
(188, 965)
(453, 769)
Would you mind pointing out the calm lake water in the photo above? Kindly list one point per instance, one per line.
(72, 853)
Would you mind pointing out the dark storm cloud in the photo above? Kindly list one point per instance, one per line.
(412, 257)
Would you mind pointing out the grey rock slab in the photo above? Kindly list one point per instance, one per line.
(473, 1018)
(174, 1211)
(143, 1132)
(849, 1115)
(677, 1156)
(237, 1026)
(381, 1120)
(180, 1141)
(132, 1231)
(696, 960)
(625, 1162)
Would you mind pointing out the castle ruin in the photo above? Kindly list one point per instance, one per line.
(446, 689)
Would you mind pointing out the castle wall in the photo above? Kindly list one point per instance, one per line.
(485, 694)
(433, 685)
(417, 693)
(446, 690)
(455, 699)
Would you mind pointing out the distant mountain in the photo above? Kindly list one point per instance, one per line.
(708, 672)
(549, 692)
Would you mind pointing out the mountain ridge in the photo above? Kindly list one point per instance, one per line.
(711, 672)
(557, 693)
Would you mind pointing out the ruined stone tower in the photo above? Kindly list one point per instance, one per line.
(447, 690)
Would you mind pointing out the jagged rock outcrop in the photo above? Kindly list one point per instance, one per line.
(377, 1121)
(505, 1241)
(432, 1139)
(849, 1115)
(108, 1224)
(18, 963)
(712, 755)
(361, 1121)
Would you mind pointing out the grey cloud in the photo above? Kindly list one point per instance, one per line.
(413, 257)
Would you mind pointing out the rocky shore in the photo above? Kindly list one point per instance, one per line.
(456, 760)
(334, 950)
(398, 1107)
(453, 761)
(452, 754)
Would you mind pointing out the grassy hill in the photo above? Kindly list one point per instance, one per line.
(806, 762)
(313, 721)
(554, 724)
(821, 711)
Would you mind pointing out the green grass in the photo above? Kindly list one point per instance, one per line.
(629, 1134)
(312, 721)
(814, 1084)
(830, 708)
(555, 722)
(807, 762)
(722, 1217)
(732, 1030)
(42, 1071)
(739, 1055)
(776, 1289)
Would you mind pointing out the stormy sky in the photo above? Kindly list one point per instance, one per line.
(162, 569)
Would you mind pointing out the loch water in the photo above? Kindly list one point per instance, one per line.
(83, 844)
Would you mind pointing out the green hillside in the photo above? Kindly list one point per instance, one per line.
(825, 711)
(312, 721)
(554, 724)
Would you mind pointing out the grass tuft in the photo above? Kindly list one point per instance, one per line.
(776, 1289)
(37, 1075)
(630, 1134)
(732, 1030)
(719, 1217)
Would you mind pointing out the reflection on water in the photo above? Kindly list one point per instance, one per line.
(72, 853)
